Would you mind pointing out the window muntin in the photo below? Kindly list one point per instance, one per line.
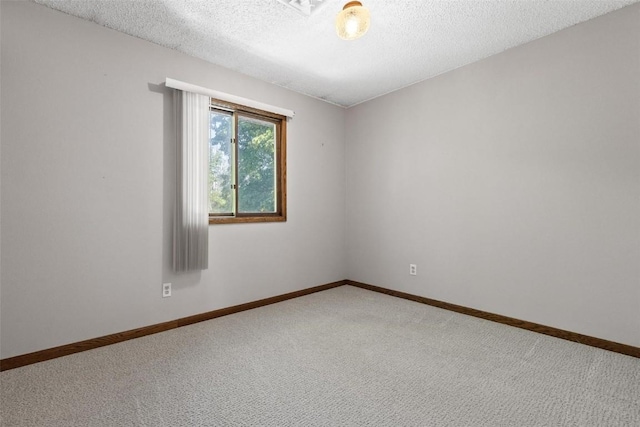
(246, 165)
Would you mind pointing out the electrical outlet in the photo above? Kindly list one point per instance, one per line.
(413, 269)
(166, 290)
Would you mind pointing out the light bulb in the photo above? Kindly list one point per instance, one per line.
(351, 26)
(353, 21)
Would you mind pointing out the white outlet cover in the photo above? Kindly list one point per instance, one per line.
(166, 290)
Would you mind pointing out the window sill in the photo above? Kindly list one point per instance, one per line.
(245, 219)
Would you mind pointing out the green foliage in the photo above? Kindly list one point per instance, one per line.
(220, 171)
(256, 165)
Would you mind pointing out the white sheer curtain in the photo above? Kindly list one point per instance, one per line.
(191, 219)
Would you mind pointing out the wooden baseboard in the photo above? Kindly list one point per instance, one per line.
(64, 350)
(523, 324)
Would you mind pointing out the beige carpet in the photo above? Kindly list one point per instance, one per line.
(342, 357)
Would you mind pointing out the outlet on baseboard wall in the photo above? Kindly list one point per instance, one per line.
(413, 269)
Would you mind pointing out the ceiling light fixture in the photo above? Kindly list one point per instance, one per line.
(352, 21)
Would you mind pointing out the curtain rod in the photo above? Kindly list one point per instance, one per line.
(188, 87)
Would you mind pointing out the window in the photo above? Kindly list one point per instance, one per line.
(247, 164)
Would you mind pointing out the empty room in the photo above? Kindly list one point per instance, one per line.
(319, 213)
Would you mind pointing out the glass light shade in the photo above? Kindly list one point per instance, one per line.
(352, 21)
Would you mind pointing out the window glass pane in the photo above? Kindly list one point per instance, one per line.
(256, 165)
(220, 161)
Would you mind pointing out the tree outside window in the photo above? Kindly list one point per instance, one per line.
(246, 166)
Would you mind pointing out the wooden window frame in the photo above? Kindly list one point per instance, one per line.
(280, 215)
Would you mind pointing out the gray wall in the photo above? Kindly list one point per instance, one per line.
(87, 187)
(0, 187)
(513, 183)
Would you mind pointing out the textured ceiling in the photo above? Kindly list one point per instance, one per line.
(409, 41)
